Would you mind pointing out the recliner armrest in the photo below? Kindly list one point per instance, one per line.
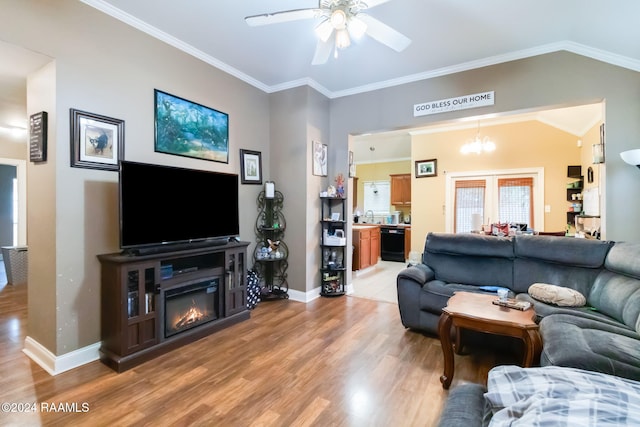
(419, 273)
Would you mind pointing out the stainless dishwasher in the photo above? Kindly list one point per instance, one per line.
(392, 243)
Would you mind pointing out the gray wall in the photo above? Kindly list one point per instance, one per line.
(105, 67)
(552, 80)
(298, 117)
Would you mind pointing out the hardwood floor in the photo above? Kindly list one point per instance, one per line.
(378, 282)
(343, 361)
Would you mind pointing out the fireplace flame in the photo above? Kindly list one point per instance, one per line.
(192, 315)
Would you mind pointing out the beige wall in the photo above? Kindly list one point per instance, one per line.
(518, 145)
(12, 148)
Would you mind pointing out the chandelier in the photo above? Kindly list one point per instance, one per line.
(478, 145)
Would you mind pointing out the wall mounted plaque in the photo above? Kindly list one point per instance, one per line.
(38, 137)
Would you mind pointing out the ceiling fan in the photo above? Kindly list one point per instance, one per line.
(345, 19)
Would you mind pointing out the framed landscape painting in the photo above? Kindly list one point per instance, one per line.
(185, 128)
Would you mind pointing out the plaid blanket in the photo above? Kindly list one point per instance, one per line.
(556, 396)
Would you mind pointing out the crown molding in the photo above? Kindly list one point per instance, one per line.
(567, 45)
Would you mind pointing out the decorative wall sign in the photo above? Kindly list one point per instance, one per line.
(453, 104)
(97, 142)
(185, 128)
(38, 137)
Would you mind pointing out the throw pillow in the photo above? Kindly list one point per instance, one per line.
(558, 295)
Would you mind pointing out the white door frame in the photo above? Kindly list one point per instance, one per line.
(21, 174)
(538, 192)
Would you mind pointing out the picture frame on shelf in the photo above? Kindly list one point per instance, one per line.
(319, 159)
(250, 167)
(426, 168)
(186, 128)
(97, 142)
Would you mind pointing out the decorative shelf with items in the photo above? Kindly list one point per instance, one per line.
(271, 252)
(575, 185)
(333, 243)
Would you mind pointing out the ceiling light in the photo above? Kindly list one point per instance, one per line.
(14, 131)
(478, 145)
(342, 39)
(631, 157)
(338, 19)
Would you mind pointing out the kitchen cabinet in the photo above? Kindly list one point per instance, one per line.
(354, 191)
(407, 242)
(366, 247)
(400, 189)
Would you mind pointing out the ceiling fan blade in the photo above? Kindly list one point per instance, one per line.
(384, 33)
(285, 16)
(323, 50)
(374, 3)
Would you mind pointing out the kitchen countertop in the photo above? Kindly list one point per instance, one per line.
(365, 225)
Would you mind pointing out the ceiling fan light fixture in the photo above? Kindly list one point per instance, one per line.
(338, 19)
(342, 39)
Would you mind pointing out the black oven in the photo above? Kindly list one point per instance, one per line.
(392, 243)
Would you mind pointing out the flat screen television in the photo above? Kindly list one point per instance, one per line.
(164, 205)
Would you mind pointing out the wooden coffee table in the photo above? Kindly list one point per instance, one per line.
(476, 312)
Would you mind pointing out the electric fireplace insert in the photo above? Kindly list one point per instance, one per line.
(191, 305)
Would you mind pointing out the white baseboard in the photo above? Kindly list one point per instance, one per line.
(312, 294)
(304, 296)
(55, 365)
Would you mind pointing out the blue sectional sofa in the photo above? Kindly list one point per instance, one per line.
(602, 336)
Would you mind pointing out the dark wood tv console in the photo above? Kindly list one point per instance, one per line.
(135, 319)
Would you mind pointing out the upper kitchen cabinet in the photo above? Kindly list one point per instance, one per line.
(401, 189)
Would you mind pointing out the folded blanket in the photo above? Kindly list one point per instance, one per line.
(553, 396)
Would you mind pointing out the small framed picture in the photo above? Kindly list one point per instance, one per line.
(97, 142)
(425, 168)
(251, 167)
(319, 153)
(335, 216)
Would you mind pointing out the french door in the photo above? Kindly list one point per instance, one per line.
(505, 196)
